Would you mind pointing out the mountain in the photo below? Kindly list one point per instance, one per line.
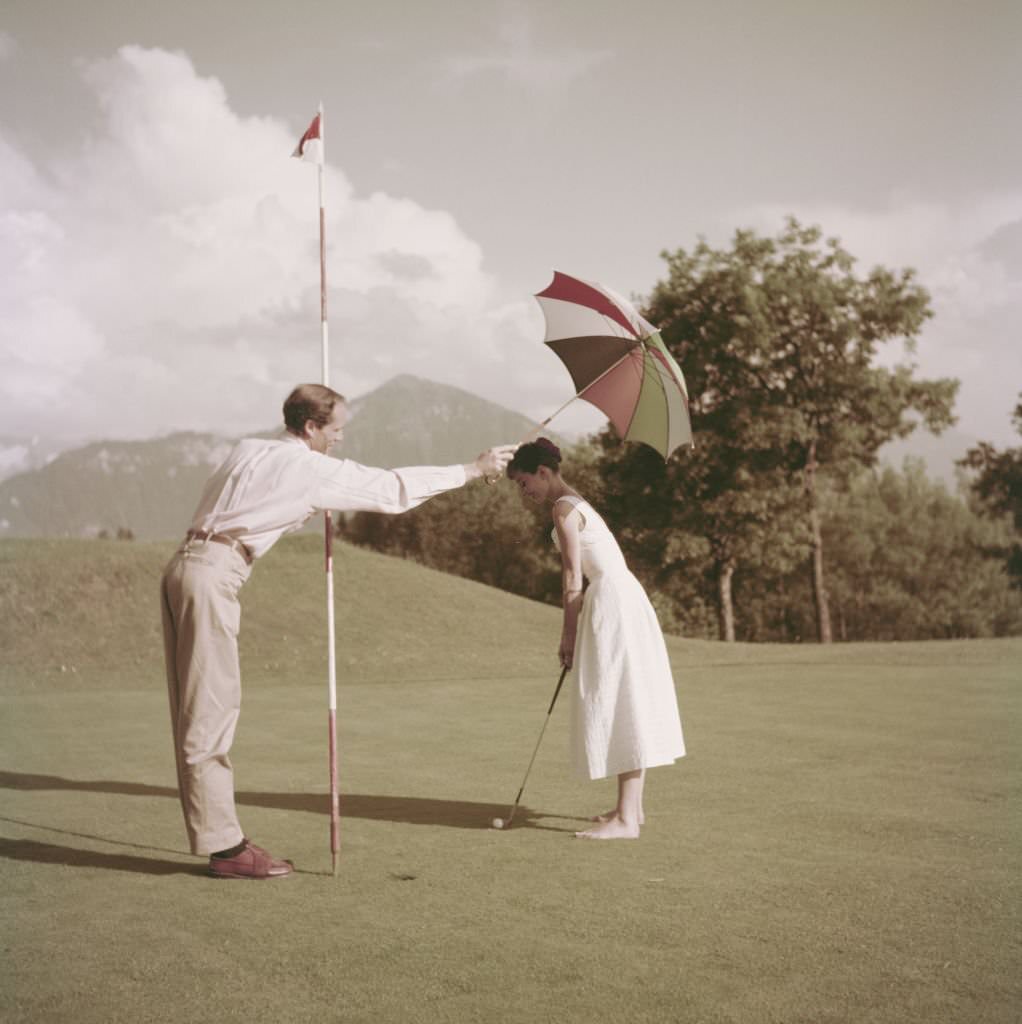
(414, 422)
(150, 488)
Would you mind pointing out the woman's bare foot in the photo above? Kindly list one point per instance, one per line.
(624, 821)
(613, 828)
(613, 814)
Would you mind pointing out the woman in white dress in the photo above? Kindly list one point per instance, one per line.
(624, 717)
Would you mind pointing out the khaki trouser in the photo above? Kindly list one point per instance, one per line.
(201, 618)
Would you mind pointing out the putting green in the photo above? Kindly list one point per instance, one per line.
(839, 845)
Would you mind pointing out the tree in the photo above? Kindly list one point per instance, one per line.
(724, 493)
(908, 561)
(998, 488)
(480, 532)
(777, 337)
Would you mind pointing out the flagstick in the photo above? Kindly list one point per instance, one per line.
(328, 531)
(322, 254)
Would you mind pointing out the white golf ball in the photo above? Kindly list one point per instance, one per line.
(498, 822)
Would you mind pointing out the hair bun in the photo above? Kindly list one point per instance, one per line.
(547, 445)
(533, 454)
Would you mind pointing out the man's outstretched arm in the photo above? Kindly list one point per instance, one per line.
(347, 486)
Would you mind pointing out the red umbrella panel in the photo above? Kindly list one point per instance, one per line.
(618, 362)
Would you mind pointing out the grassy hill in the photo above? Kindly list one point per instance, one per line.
(85, 615)
(839, 845)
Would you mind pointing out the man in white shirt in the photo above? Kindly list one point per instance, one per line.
(263, 490)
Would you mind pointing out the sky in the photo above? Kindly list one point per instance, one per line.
(159, 247)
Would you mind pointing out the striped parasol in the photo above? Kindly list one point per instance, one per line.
(618, 362)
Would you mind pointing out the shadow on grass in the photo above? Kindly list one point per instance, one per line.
(408, 810)
(72, 857)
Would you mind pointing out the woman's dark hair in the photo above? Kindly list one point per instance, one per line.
(529, 457)
(309, 402)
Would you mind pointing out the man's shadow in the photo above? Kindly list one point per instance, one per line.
(73, 856)
(402, 809)
(408, 810)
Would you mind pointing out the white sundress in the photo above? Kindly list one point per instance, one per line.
(624, 713)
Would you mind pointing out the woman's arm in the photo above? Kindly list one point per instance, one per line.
(566, 522)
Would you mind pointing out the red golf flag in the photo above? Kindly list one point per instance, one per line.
(310, 145)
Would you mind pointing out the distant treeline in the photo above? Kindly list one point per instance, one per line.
(907, 560)
(776, 526)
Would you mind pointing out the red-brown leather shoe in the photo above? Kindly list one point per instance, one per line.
(253, 862)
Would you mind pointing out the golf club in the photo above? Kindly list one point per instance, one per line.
(499, 822)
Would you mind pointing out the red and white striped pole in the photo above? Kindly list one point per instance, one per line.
(328, 531)
(315, 138)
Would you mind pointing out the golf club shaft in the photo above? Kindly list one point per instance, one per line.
(546, 722)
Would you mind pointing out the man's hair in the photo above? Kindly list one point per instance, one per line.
(309, 402)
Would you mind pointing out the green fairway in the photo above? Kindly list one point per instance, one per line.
(842, 843)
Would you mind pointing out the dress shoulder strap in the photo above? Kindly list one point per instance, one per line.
(575, 502)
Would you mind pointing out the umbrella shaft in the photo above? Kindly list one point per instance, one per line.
(613, 366)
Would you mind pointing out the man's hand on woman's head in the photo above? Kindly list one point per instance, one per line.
(491, 463)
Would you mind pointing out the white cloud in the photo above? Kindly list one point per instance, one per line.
(166, 274)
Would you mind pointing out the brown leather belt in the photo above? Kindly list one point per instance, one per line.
(222, 538)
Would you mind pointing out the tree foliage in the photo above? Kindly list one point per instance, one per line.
(712, 506)
(485, 533)
(909, 561)
(778, 338)
(997, 486)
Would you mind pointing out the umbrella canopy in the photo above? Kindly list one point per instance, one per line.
(618, 362)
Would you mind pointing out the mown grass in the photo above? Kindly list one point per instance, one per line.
(842, 843)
